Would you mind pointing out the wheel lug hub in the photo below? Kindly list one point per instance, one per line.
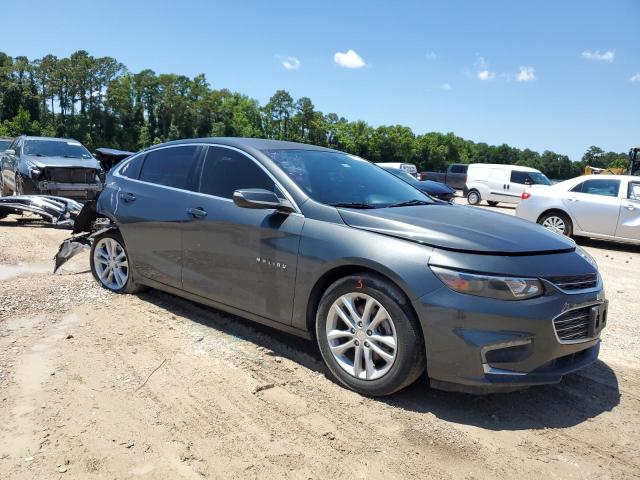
(366, 344)
(360, 324)
(357, 342)
(369, 332)
(353, 330)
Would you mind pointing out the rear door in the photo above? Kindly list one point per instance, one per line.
(629, 220)
(241, 257)
(595, 205)
(152, 209)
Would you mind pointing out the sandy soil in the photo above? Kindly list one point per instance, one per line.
(97, 385)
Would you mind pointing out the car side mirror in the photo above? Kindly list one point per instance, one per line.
(259, 198)
(10, 151)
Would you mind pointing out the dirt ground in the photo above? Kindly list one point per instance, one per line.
(97, 385)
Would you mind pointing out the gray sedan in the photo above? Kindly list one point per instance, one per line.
(325, 245)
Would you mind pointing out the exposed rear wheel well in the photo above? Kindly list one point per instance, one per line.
(333, 275)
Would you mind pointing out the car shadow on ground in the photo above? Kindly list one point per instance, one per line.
(579, 397)
(611, 245)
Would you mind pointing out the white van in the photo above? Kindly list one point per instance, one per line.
(500, 183)
(410, 168)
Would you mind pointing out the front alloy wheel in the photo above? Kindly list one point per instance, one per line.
(369, 336)
(362, 336)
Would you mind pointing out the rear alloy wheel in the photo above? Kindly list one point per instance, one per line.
(368, 335)
(473, 197)
(110, 264)
(557, 222)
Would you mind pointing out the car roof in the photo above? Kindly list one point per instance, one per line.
(51, 139)
(503, 166)
(254, 143)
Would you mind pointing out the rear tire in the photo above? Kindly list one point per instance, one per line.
(491, 203)
(110, 263)
(473, 197)
(368, 335)
(558, 222)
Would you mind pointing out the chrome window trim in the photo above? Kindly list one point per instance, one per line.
(269, 174)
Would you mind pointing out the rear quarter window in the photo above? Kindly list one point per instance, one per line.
(131, 169)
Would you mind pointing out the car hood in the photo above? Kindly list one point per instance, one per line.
(43, 162)
(460, 228)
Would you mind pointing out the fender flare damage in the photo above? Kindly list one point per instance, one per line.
(87, 226)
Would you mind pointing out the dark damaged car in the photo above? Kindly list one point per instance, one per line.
(326, 245)
(49, 166)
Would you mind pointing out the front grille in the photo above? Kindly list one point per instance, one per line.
(575, 282)
(574, 324)
(69, 175)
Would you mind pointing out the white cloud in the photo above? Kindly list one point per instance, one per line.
(446, 86)
(483, 69)
(290, 63)
(607, 56)
(350, 59)
(526, 74)
(431, 55)
(485, 75)
(636, 77)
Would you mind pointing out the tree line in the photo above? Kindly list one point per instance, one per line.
(97, 101)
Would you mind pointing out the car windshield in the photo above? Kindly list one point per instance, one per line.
(339, 179)
(539, 178)
(4, 144)
(55, 148)
(407, 177)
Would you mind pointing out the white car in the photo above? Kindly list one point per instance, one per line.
(500, 183)
(598, 206)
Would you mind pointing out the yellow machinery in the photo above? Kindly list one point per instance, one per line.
(633, 169)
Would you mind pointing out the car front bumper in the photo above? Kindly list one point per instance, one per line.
(481, 345)
(78, 191)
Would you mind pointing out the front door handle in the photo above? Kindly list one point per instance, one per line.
(572, 199)
(197, 212)
(128, 197)
(630, 206)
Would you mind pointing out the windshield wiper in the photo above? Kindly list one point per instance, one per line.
(352, 205)
(70, 156)
(410, 203)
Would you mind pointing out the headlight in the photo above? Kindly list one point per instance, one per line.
(583, 253)
(490, 286)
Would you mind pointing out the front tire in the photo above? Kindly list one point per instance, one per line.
(557, 222)
(110, 264)
(368, 335)
(473, 197)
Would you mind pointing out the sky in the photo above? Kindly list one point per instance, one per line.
(556, 75)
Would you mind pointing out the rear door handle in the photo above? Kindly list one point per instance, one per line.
(572, 199)
(630, 206)
(197, 212)
(128, 197)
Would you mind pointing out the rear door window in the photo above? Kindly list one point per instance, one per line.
(131, 169)
(172, 166)
(602, 187)
(226, 171)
